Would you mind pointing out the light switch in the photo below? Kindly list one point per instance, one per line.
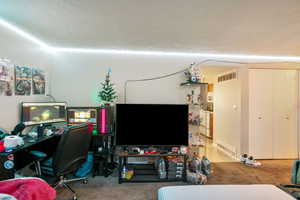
(234, 107)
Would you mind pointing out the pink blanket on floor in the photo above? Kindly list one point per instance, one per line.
(28, 189)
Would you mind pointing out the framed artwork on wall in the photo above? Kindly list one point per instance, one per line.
(38, 82)
(23, 76)
(6, 78)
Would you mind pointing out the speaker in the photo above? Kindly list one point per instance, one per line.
(40, 130)
(18, 129)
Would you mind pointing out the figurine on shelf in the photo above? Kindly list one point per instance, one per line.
(192, 98)
(192, 94)
(190, 117)
(197, 120)
(189, 98)
(193, 75)
(194, 72)
(199, 99)
(195, 97)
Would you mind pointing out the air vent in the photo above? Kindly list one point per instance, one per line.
(227, 76)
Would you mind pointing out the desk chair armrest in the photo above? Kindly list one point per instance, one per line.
(291, 186)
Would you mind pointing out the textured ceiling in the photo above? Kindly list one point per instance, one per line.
(266, 27)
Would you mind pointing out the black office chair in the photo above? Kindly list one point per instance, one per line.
(294, 188)
(70, 154)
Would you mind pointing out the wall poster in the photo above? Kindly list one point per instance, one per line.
(23, 76)
(38, 81)
(6, 78)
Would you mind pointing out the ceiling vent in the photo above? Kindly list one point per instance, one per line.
(227, 76)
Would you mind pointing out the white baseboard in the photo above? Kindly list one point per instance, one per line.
(227, 149)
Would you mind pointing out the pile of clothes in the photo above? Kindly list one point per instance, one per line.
(26, 189)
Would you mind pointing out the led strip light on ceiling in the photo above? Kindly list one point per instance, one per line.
(24, 34)
(181, 54)
(146, 53)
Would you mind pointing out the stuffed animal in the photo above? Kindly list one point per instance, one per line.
(195, 165)
(206, 166)
(196, 178)
(198, 170)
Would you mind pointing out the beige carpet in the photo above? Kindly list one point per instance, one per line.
(271, 172)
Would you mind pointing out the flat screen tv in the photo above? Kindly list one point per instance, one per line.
(151, 124)
(34, 113)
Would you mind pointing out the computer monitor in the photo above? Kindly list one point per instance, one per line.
(35, 113)
(78, 115)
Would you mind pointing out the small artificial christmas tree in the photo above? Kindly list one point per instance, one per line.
(107, 94)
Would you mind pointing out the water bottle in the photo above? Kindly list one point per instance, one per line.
(162, 169)
(124, 172)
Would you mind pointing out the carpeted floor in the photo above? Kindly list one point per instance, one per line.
(271, 172)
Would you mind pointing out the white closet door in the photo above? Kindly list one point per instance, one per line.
(284, 114)
(260, 109)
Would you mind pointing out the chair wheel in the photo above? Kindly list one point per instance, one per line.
(75, 198)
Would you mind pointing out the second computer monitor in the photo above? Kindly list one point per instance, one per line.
(78, 115)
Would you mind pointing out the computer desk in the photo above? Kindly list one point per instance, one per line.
(20, 157)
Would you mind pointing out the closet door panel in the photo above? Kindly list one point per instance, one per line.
(260, 96)
(284, 114)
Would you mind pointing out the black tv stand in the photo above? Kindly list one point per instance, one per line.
(147, 172)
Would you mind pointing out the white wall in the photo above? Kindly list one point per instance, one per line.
(21, 52)
(77, 78)
(227, 114)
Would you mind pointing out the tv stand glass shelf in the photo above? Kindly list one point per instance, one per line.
(149, 172)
